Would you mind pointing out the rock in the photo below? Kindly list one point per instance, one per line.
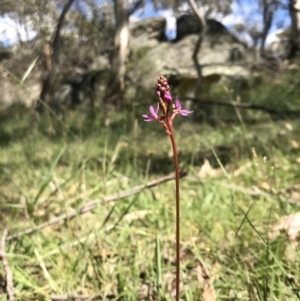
(281, 48)
(148, 32)
(221, 53)
(13, 92)
(189, 24)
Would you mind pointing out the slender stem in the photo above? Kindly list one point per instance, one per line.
(175, 155)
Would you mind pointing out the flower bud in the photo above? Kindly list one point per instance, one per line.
(168, 97)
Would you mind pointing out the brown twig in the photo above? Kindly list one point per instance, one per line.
(72, 297)
(244, 105)
(236, 104)
(94, 204)
(9, 275)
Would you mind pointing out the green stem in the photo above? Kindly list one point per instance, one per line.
(175, 155)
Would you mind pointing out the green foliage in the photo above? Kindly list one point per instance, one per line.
(272, 89)
(14, 124)
(277, 90)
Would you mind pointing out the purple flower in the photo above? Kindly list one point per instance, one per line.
(153, 115)
(179, 110)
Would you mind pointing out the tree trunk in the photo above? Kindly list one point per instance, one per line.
(268, 13)
(295, 26)
(198, 46)
(47, 86)
(116, 84)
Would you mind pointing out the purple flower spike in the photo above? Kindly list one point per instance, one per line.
(153, 115)
(179, 110)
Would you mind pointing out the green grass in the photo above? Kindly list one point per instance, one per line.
(125, 249)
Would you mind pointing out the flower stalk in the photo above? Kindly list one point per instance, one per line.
(169, 112)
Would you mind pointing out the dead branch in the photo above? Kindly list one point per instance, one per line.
(95, 203)
(9, 275)
(72, 297)
(244, 105)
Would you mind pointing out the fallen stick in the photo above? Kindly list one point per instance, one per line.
(9, 275)
(244, 105)
(241, 105)
(94, 204)
(75, 297)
